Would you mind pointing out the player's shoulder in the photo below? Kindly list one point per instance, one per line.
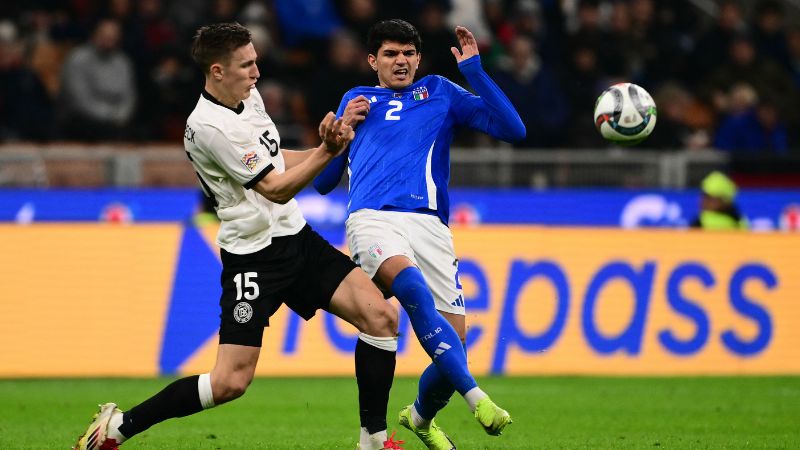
(438, 81)
(208, 120)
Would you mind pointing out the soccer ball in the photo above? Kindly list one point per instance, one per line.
(625, 114)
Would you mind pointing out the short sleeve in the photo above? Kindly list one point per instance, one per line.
(245, 161)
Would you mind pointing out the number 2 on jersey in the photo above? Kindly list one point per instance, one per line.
(390, 114)
(248, 284)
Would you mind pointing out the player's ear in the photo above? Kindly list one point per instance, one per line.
(373, 62)
(215, 71)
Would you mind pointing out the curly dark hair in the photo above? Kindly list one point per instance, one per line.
(215, 43)
(394, 30)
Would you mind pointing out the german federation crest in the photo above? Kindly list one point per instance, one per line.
(243, 312)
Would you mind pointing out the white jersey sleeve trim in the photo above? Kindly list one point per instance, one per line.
(429, 179)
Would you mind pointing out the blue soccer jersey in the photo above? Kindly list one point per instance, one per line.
(400, 157)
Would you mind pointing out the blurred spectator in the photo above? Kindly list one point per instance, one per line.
(767, 77)
(713, 46)
(588, 42)
(345, 69)
(26, 111)
(673, 129)
(470, 14)
(536, 93)
(358, 16)
(98, 94)
(302, 21)
(437, 38)
(793, 43)
(278, 100)
(583, 83)
(177, 88)
(769, 34)
(223, 11)
(718, 210)
(750, 125)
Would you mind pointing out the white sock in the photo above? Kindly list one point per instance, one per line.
(204, 391)
(419, 421)
(372, 441)
(384, 343)
(473, 396)
(113, 428)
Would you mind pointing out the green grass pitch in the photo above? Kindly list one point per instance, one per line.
(321, 413)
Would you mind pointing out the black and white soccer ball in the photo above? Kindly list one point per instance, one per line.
(625, 114)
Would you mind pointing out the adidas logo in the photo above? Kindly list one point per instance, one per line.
(443, 347)
(459, 301)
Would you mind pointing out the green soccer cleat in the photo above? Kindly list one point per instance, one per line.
(492, 418)
(433, 436)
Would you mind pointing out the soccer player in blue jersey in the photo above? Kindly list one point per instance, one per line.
(399, 167)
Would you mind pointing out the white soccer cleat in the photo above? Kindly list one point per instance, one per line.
(95, 437)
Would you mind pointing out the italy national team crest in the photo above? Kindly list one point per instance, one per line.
(375, 251)
(420, 93)
(250, 160)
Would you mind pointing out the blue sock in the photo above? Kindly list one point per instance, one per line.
(434, 332)
(434, 392)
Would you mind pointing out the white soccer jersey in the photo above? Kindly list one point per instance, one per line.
(232, 150)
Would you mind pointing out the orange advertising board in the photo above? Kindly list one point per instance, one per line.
(141, 300)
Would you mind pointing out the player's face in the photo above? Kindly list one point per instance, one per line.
(395, 64)
(241, 72)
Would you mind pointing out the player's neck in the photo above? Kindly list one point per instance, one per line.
(226, 99)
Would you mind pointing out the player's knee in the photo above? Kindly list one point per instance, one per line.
(382, 321)
(231, 387)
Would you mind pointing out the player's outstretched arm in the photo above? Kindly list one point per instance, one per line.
(469, 46)
(493, 111)
(282, 187)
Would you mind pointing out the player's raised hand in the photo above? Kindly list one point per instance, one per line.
(356, 111)
(469, 46)
(336, 135)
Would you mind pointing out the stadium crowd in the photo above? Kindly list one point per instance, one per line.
(724, 74)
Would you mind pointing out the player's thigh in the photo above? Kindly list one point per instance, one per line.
(375, 236)
(323, 268)
(358, 301)
(435, 256)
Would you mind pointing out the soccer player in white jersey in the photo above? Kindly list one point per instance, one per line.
(399, 166)
(270, 256)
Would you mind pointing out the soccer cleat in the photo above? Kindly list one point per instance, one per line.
(95, 436)
(374, 443)
(391, 444)
(433, 437)
(492, 418)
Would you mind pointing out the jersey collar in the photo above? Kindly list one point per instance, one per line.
(209, 97)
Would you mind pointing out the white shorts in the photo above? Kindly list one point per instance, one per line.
(375, 236)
